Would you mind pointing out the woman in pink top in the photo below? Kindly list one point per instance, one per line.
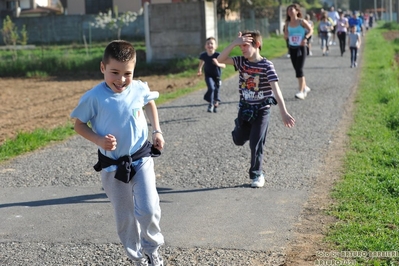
(342, 29)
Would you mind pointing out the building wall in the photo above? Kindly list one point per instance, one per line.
(210, 20)
(76, 7)
(180, 29)
(124, 5)
(24, 4)
(162, 1)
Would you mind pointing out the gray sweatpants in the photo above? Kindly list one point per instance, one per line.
(136, 208)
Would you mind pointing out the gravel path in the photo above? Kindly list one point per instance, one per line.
(198, 154)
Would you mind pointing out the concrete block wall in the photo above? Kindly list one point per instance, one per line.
(179, 30)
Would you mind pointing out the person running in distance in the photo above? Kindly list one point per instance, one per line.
(318, 15)
(288, 46)
(310, 40)
(354, 42)
(324, 30)
(334, 16)
(342, 28)
(355, 21)
(361, 19)
(258, 90)
(297, 31)
(213, 73)
(114, 110)
(371, 20)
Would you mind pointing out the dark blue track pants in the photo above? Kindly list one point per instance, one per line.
(213, 85)
(255, 133)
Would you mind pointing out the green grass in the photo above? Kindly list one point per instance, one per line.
(49, 60)
(27, 142)
(367, 197)
(77, 57)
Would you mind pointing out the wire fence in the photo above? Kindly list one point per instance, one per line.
(54, 30)
(228, 30)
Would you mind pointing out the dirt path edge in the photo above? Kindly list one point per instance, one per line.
(314, 222)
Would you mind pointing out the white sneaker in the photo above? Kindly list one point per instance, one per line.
(142, 262)
(155, 259)
(306, 90)
(259, 181)
(310, 53)
(288, 55)
(300, 95)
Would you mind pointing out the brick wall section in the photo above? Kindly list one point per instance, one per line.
(183, 31)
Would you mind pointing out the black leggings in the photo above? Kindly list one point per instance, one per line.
(298, 57)
(342, 41)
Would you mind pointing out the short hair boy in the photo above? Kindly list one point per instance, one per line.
(114, 109)
(213, 73)
(258, 90)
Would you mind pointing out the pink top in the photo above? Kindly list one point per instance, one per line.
(341, 22)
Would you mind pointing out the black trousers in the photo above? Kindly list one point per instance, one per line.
(254, 132)
(342, 41)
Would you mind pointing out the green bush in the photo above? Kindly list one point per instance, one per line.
(390, 26)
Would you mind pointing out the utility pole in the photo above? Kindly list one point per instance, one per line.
(397, 11)
(382, 8)
(390, 10)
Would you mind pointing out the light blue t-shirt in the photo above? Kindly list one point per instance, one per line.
(353, 39)
(119, 114)
(296, 34)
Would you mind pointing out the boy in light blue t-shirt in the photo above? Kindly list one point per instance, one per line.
(354, 42)
(114, 109)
